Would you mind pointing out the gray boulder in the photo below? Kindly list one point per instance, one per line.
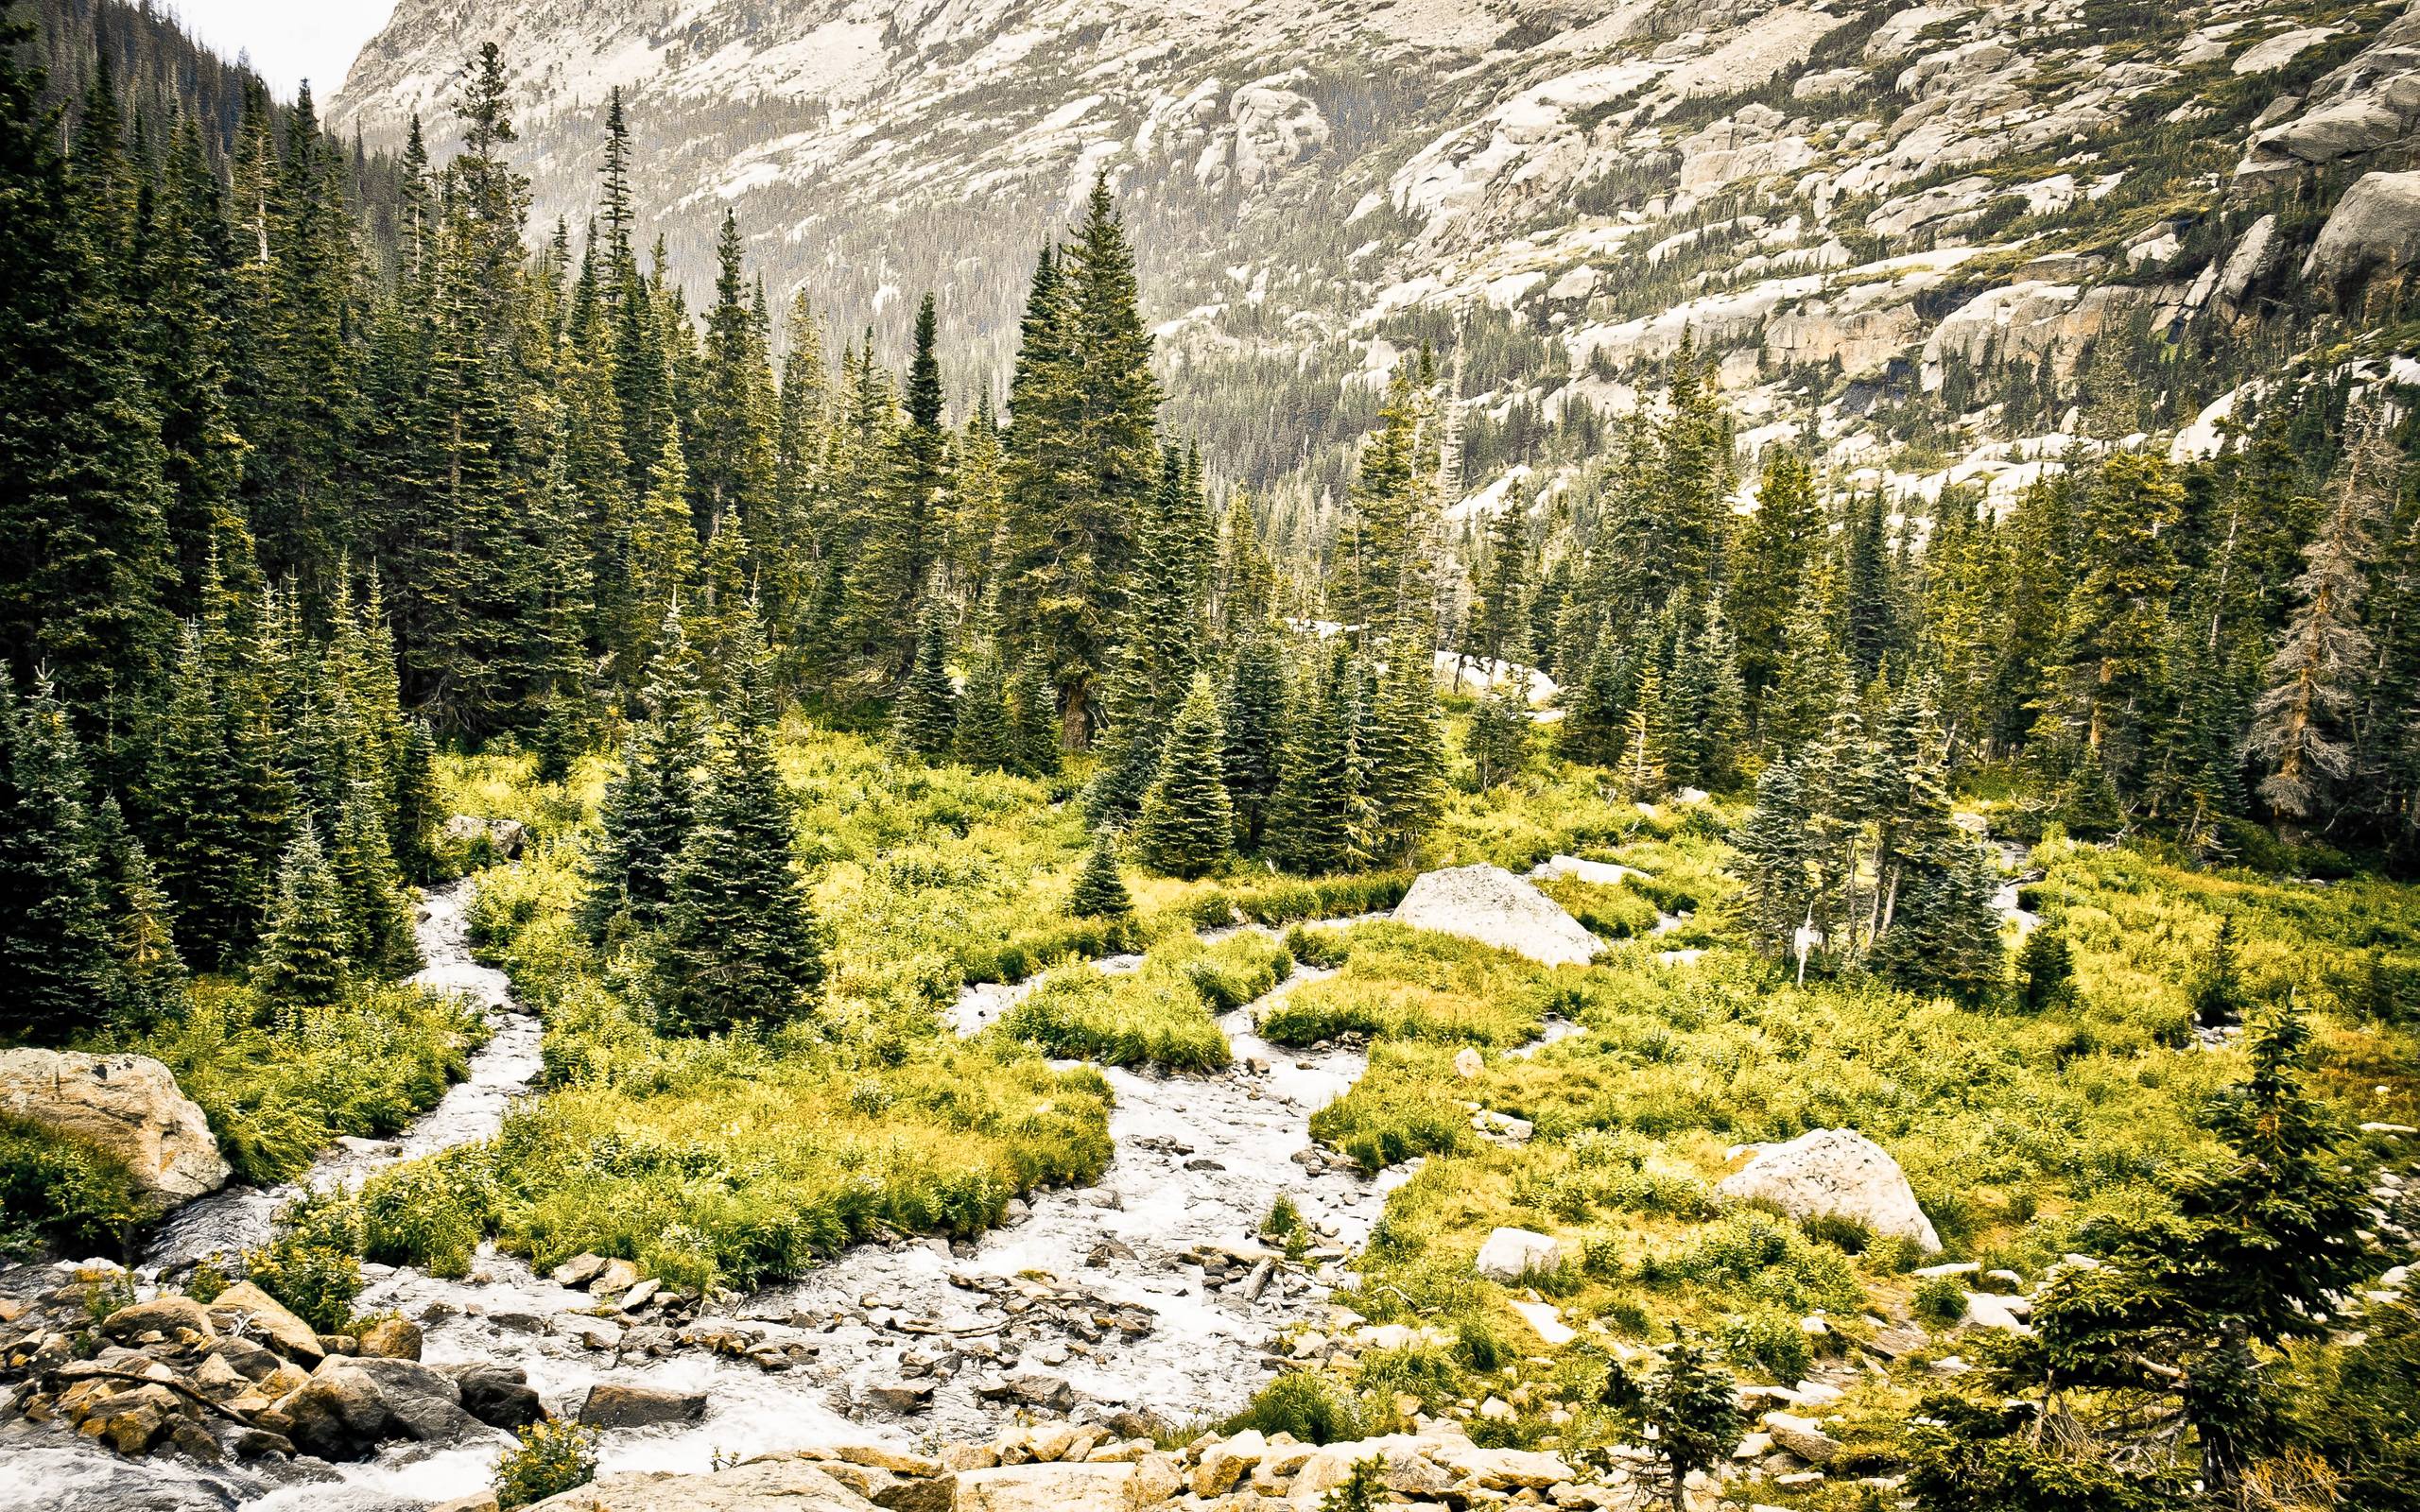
(1492, 906)
(499, 1396)
(609, 1406)
(2374, 231)
(1835, 1172)
(338, 1414)
(424, 1403)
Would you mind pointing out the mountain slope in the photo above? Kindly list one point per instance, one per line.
(1904, 229)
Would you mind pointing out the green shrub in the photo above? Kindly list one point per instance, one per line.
(1480, 1347)
(1756, 1255)
(312, 1262)
(552, 1458)
(1284, 1226)
(56, 1191)
(1939, 1300)
(1415, 1371)
(1843, 1233)
(1402, 983)
(1303, 1403)
(1768, 1341)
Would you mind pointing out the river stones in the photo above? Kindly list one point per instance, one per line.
(1046, 1488)
(497, 1395)
(244, 1308)
(390, 1338)
(610, 1404)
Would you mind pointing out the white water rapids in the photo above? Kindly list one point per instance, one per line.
(1199, 1160)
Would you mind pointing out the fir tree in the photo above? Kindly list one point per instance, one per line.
(1500, 728)
(2045, 971)
(1597, 710)
(738, 942)
(304, 951)
(926, 716)
(1187, 824)
(1943, 937)
(983, 739)
(1253, 715)
(55, 945)
(1099, 892)
(1691, 1418)
(1775, 545)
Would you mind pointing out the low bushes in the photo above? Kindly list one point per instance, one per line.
(57, 1191)
(278, 1087)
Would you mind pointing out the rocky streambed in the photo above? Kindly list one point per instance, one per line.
(1146, 1292)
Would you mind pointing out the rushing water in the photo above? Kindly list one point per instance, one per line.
(1199, 1160)
(238, 1217)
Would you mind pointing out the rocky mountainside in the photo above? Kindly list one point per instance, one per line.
(1904, 230)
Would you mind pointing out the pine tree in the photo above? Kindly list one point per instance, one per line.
(1405, 757)
(304, 953)
(926, 716)
(738, 944)
(983, 739)
(2045, 971)
(1033, 720)
(1598, 709)
(1099, 892)
(1187, 824)
(55, 945)
(1255, 717)
(1310, 819)
(2300, 722)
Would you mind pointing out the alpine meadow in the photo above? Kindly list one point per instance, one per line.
(1060, 757)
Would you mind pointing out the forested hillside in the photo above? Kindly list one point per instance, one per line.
(689, 832)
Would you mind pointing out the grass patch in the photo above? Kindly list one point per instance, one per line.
(1163, 1013)
(1401, 983)
(60, 1193)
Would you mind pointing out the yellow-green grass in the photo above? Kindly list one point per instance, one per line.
(1162, 1013)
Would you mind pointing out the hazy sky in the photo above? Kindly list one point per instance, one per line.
(290, 39)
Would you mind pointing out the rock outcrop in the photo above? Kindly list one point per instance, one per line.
(2374, 231)
(1835, 1172)
(128, 1106)
(1514, 1255)
(1491, 905)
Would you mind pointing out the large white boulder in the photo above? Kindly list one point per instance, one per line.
(1839, 1172)
(2373, 230)
(1512, 1254)
(1491, 905)
(130, 1106)
(794, 1486)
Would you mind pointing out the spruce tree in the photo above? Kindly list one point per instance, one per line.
(1774, 547)
(377, 917)
(1597, 710)
(412, 803)
(1253, 715)
(1403, 755)
(1310, 819)
(1500, 738)
(926, 716)
(1099, 892)
(738, 943)
(1187, 824)
(1692, 1418)
(983, 739)
(304, 951)
(150, 977)
(1033, 719)
(55, 945)
(2301, 723)
(1777, 859)
(1944, 935)
(2045, 971)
